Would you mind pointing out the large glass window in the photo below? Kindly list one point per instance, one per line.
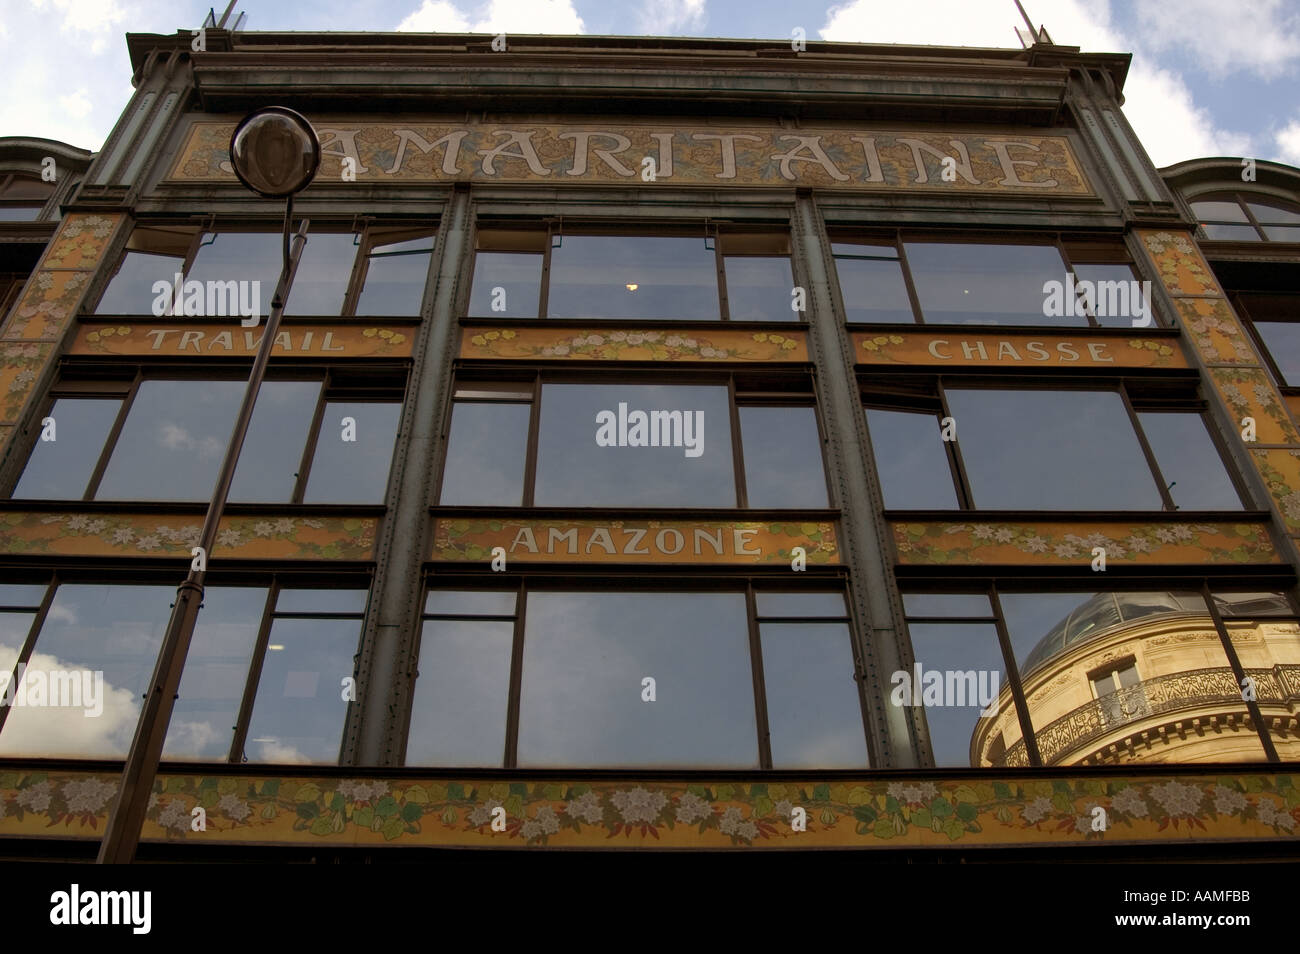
(395, 275)
(1275, 319)
(517, 274)
(650, 445)
(166, 441)
(1039, 449)
(612, 678)
(1244, 217)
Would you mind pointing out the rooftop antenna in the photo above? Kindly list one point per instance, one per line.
(238, 23)
(1031, 36)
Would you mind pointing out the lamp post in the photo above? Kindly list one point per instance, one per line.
(275, 153)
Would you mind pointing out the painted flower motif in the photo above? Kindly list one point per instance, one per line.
(639, 806)
(35, 798)
(398, 339)
(477, 339)
(1004, 535)
(689, 343)
(783, 808)
(263, 528)
(635, 339)
(673, 341)
(1268, 814)
(691, 809)
(547, 820)
(88, 794)
(789, 345)
(1165, 535)
(596, 340)
(481, 815)
(507, 334)
(1138, 544)
(653, 335)
(1228, 801)
(1065, 551)
(731, 821)
(561, 349)
(618, 336)
(707, 353)
(760, 336)
(530, 830)
(747, 830)
(234, 807)
(230, 537)
(586, 807)
(1036, 810)
(148, 543)
(122, 536)
(284, 525)
(1083, 823)
(982, 531)
(97, 526)
(1177, 798)
(1130, 802)
(1035, 544)
(175, 815)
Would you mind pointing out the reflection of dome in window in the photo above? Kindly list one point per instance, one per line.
(1106, 610)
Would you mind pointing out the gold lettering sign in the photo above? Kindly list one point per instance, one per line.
(1011, 349)
(668, 155)
(634, 541)
(356, 339)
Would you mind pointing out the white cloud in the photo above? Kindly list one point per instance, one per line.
(101, 19)
(77, 103)
(1288, 143)
(1158, 103)
(1259, 36)
(499, 16)
(670, 17)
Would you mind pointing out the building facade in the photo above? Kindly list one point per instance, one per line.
(669, 444)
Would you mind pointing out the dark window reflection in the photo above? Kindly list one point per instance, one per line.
(1105, 301)
(353, 471)
(759, 288)
(173, 441)
(395, 278)
(799, 605)
(485, 455)
(970, 670)
(240, 257)
(872, 284)
(1051, 450)
(458, 714)
(966, 283)
(573, 470)
(61, 468)
(272, 451)
(130, 291)
(299, 709)
(517, 274)
(623, 276)
(1189, 461)
(216, 670)
(911, 460)
(1282, 338)
(324, 270)
(586, 656)
(783, 457)
(814, 715)
(113, 630)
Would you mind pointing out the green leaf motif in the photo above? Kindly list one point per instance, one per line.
(393, 828)
(411, 811)
(386, 807)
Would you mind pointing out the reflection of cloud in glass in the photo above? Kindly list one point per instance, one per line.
(459, 712)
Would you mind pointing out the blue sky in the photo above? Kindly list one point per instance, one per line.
(1209, 77)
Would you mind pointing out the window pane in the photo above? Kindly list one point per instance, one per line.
(353, 471)
(1231, 233)
(1270, 652)
(1282, 233)
(1026, 450)
(173, 441)
(20, 213)
(395, 278)
(519, 275)
(1181, 676)
(1253, 604)
(485, 455)
(1190, 462)
(1113, 309)
(1282, 338)
(911, 460)
(299, 709)
(130, 291)
(61, 468)
(321, 282)
(458, 714)
(272, 451)
(240, 257)
(1267, 212)
(21, 594)
(585, 656)
(783, 457)
(961, 283)
(14, 626)
(470, 603)
(113, 631)
(946, 604)
(216, 669)
(669, 277)
(873, 288)
(1218, 211)
(321, 601)
(759, 288)
(966, 673)
(813, 712)
(799, 605)
(692, 466)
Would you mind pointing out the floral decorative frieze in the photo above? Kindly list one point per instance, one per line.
(630, 813)
(947, 542)
(239, 537)
(632, 344)
(1215, 331)
(1181, 267)
(20, 364)
(634, 541)
(1015, 350)
(43, 312)
(81, 241)
(1249, 393)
